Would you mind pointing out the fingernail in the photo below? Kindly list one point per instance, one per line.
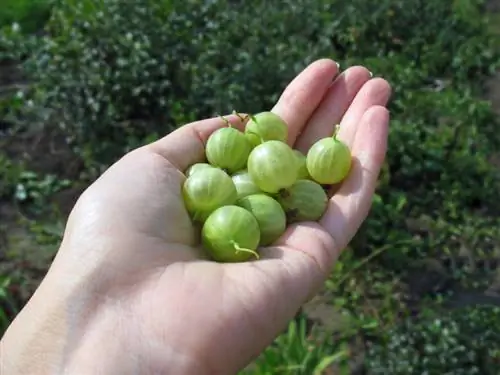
(338, 65)
(371, 74)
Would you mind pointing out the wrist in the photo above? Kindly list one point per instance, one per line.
(24, 346)
(74, 332)
(114, 344)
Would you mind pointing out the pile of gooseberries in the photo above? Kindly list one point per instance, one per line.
(252, 185)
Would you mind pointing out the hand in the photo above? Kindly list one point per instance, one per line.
(130, 292)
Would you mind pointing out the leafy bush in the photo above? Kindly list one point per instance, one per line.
(8, 307)
(30, 14)
(465, 342)
(9, 176)
(114, 71)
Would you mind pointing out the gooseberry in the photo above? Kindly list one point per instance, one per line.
(269, 215)
(244, 184)
(304, 201)
(273, 166)
(197, 167)
(228, 149)
(302, 173)
(266, 126)
(328, 161)
(207, 190)
(231, 234)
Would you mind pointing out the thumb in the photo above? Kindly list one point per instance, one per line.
(186, 145)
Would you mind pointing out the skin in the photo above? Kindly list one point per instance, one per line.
(128, 290)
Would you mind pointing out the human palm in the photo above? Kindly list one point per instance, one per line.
(131, 243)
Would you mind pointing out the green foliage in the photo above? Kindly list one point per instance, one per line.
(465, 342)
(35, 189)
(9, 175)
(8, 308)
(442, 185)
(31, 15)
(114, 71)
(26, 186)
(300, 352)
(371, 295)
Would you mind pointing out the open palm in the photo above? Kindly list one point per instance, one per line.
(130, 239)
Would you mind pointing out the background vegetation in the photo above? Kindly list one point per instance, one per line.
(83, 81)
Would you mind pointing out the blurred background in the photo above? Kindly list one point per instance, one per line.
(418, 290)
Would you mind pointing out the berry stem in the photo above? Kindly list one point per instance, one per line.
(243, 119)
(244, 250)
(336, 131)
(228, 123)
(196, 216)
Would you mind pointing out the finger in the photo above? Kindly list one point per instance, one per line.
(374, 92)
(186, 145)
(301, 97)
(331, 109)
(351, 204)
